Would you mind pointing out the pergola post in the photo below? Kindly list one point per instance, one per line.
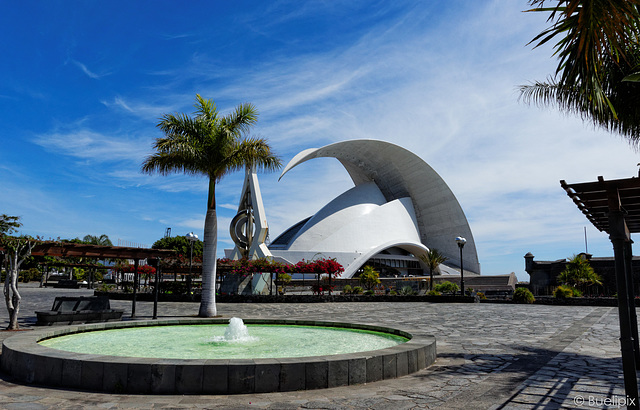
(619, 236)
(633, 317)
(614, 207)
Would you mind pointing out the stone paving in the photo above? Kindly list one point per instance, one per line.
(490, 356)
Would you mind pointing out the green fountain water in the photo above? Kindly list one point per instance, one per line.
(235, 341)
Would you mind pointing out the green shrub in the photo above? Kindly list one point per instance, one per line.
(173, 287)
(577, 293)
(347, 289)
(434, 293)
(79, 274)
(523, 295)
(407, 291)
(29, 275)
(369, 292)
(446, 287)
(106, 287)
(481, 295)
(393, 292)
(563, 292)
(369, 277)
(127, 286)
(357, 290)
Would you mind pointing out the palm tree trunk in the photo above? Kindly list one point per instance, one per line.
(208, 301)
(430, 279)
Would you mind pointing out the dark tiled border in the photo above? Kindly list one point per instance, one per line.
(29, 362)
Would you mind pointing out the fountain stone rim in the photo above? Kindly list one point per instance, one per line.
(29, 362)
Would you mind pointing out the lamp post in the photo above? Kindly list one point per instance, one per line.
(191, 237)
(461, 241)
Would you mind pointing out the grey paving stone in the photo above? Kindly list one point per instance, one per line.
(506, 356)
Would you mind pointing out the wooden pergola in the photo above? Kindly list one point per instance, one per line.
(78, 250)
(614, 207)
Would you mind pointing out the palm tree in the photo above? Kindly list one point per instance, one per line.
(97, 240)
(598, 50)
(369, 277)
(433, 258)
(211, 145)
(578, 273)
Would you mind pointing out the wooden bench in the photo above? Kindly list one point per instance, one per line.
(67, 310)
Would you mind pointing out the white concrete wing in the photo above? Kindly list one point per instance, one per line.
(411, 205)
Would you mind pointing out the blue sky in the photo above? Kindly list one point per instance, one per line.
(85, 82)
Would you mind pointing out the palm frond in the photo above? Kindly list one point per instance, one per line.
(625, 120)
(206, 109)
(589, 32)
(165, 163)
(209, 144)
(252, 152)
(241, 120)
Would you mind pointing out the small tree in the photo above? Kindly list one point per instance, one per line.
(283, 279)
(18, 249)
(433, 258)
(369, 277)
(179, 244)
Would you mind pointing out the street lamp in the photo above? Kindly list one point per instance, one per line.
(461, 241)
(191, 237)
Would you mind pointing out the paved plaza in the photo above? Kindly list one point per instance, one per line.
(490, 356)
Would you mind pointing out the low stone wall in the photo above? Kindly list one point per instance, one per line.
(550, 300)
(540, 300)
(29, 362)
(148, 297)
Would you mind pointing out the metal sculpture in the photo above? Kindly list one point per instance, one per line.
(249, 228)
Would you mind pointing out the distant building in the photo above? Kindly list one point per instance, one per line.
(544, 274)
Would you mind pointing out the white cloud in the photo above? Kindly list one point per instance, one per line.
(233, 207)
(87, 144)
(142, 110)
(88, 72)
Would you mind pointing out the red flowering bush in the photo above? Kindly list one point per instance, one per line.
(329, 266)
(145, 271)
(245, 267)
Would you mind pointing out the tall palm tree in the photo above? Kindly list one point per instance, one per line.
(211, 145)
(433, 258)
(599, 51)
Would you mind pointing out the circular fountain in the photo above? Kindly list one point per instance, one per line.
(27, 357)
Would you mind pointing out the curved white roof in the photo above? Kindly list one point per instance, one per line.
(399, 200)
